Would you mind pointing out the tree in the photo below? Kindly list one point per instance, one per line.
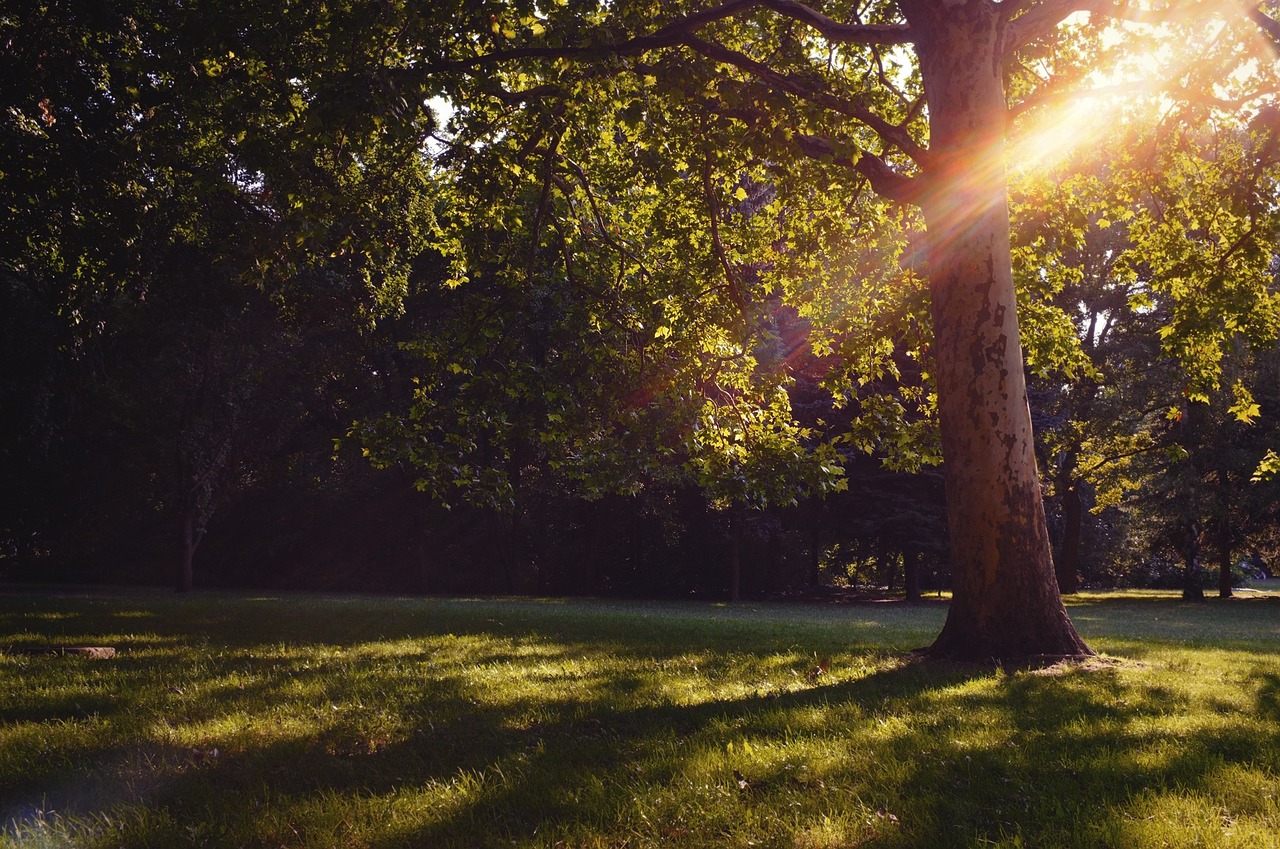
(924, 127)
(1159, 243)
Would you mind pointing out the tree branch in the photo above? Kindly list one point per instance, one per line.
(894, 135)
(884, 181)
(1165, 88)
(713, 211)
(674, 32)
(842, 33)
(600, 226)
(1045, 18)
(1267, 24)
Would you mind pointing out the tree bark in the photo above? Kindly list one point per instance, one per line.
(1005, 602)
(1224, 575)
(773, 577)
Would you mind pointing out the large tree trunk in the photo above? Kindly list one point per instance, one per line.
(1005, 601)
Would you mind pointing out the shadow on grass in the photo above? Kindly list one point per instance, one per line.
(415, 740)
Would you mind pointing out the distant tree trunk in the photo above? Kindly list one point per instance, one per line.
(773, 576)
(815, 545)
(911, 559)
(1068, 565)
(1192, 588)
(188, 541)
(597, 534)
(1224, 557)
(1005, 601)
(424, 566)
(735, 556)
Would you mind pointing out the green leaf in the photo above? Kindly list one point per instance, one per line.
(1268, 467)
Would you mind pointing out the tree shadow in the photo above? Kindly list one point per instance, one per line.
(972, 753)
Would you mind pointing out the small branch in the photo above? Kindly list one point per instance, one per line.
(601, 227)
(1114, 458)
(1237, 245)
(884, 80)
(883, 179)
(541, 92)
(543, 200)
(713, 210)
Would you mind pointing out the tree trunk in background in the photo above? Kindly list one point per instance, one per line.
(1005, 602)
(188, 540)
(815, 546)
(598, 530)
(1224, 557)
(911, 560)
(1068, 565)
(1192, 588)
(773, 575)
(735, 557)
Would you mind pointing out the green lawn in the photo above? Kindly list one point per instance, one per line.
(240, 720)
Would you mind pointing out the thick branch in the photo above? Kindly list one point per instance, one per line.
(883, 179)
(1267, 24)
(894, 135)
(1165, 88)
(1044, 19)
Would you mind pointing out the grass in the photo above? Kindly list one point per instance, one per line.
(234, 720)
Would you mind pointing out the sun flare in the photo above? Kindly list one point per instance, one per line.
(1044, 136)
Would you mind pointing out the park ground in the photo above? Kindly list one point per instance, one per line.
(256, 720)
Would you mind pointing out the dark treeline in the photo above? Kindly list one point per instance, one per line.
(225, 396)
(204, 428)
(324, 298)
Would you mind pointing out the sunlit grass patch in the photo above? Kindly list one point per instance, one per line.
(308, 721)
